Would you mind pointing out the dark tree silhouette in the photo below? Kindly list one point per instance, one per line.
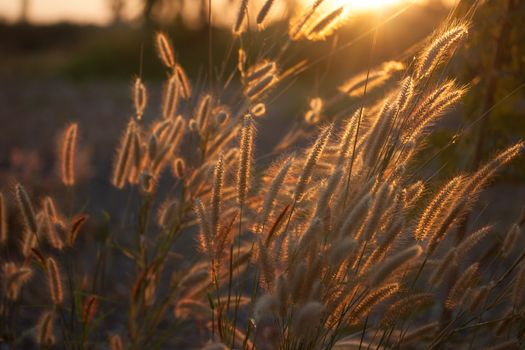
(24, 11)
(116, 7)
(148, 7)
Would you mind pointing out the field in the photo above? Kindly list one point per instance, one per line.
(324, 181)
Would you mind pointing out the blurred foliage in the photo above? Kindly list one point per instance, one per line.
(116, 52)
(123, 49)
(492, 63)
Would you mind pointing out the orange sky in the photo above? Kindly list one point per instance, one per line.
(97, 11)
(48, 11)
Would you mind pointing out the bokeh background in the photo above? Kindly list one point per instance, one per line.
(63, 61)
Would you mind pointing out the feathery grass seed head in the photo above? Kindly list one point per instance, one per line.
(263, 12)
(124, 158)
(54, 281)
(311, 160)
(140, 97)
(244, 171)
(308, 318)
(216, 196)
(45, 329)
(241, 16)
(3, 220)
(67, 155)
(436, 50)
(26, 209)
(184, 82)
(459, 289)
(115, 342)
(394, 263)
(165, 50)
(258, 110)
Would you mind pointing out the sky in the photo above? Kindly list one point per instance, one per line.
(80, 11)
(97, 11)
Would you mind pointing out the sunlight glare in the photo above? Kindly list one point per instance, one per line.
(366, 5)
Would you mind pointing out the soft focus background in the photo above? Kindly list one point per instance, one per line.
(63, 60)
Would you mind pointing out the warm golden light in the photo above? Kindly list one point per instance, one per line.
(319, 19)
(98, 11)
(365, 5)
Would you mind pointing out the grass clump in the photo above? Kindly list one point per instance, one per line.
(335, 245)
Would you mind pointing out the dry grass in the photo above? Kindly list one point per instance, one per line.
(337, 245)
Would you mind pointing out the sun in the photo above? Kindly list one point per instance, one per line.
(365, 5)
(319, 18)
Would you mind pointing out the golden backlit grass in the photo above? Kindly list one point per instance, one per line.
(336, 245)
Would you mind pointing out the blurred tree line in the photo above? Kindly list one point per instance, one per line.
(492, 63)
(152, 10)
(167, 10)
